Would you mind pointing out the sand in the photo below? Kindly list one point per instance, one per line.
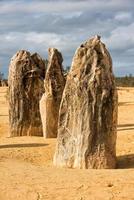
(27, 173)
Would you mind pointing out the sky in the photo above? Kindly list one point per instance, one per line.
(36, 25)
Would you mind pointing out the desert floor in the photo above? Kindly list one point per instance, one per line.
(27, 173)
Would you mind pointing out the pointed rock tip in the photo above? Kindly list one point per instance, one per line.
(98, 37)
(54, 51)
(22, 51)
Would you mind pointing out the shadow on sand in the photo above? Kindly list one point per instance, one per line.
(125, 161)
(125, 127)
(22, 145)
(125, 103)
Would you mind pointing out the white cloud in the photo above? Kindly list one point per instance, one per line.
(121, 38)
(36, 42)
(36, 25)
(61, 6)
(123, 16)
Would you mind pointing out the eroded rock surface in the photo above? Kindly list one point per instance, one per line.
(25, 91)
(88, 111)
(40, 63)
(54, 84)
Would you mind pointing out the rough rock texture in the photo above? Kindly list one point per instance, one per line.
(88, 111)
(54, 84)
(40, 63)
(25, 91)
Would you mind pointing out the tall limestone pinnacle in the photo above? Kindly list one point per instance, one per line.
(25, 90)
(54, 84)
(88, 111)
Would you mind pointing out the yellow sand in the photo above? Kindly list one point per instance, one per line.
(27, 173)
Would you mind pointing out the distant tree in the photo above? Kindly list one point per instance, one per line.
(130, 75)
(66, 69)
(1, 76)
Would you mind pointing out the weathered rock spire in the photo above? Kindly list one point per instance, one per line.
(88, 111)
(25, 90)
(54, 84)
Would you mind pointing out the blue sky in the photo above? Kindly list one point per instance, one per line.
(36, 25)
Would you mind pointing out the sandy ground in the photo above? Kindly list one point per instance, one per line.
(27, 173)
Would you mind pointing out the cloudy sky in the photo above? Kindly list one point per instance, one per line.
(36, 25)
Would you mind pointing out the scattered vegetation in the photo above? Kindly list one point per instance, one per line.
(127, 81)
(1, 76)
